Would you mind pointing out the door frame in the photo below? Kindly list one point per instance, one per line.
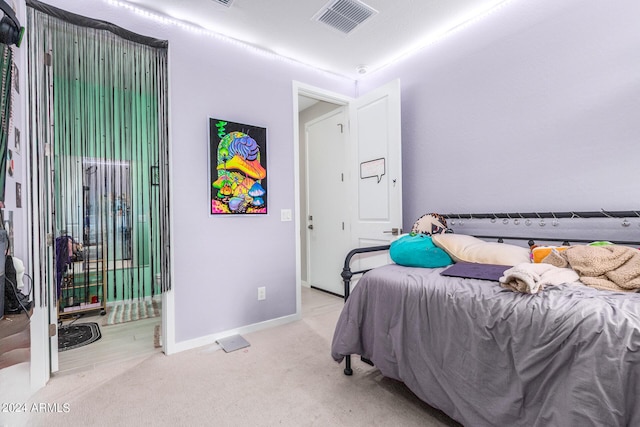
(310, 91)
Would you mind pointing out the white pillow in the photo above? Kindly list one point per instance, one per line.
(462, 247)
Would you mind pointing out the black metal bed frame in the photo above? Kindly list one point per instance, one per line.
(347, 274)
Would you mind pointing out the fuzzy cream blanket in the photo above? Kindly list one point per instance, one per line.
(611, 267)
(531, 278)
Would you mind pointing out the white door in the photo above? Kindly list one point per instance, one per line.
(327, 208)
(376, 186)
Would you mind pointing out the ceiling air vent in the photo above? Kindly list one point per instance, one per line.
(344, 15)
(224, 2)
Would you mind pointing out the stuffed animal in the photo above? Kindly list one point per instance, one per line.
(429, 224)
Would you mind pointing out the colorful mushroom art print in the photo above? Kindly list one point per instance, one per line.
(238, 168)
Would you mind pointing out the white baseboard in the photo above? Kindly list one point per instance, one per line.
(305, 284)
(211, 339)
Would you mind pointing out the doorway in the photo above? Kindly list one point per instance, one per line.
(372, 175)
(323, 210)
(100, 174)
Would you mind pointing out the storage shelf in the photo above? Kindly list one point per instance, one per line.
(83, 288)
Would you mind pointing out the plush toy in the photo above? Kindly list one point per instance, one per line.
(538, 253)
(600, 243)
(429, 224)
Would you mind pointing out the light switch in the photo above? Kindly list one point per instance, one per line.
(285, 215)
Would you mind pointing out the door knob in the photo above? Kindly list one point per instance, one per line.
(394, 231)
(310, 226)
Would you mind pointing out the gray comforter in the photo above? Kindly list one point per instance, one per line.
(569, 356)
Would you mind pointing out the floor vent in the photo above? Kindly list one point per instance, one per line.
(224, 2)
(344, 15)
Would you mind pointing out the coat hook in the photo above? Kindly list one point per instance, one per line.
(517, 220)
(555, 221)
(541, 223)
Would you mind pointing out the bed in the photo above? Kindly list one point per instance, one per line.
(488, 356)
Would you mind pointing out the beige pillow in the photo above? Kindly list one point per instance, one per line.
(462, 247)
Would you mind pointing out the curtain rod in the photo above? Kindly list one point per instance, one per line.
(572, 214)
(84, 21)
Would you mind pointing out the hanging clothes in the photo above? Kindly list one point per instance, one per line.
(64, 252)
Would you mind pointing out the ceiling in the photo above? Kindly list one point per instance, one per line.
(394, 29)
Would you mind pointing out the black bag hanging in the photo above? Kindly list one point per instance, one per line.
(14, 300)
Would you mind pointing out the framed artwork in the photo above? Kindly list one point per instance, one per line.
(8, 225)
(237, 168)
(16, 145)
(10, 163)
(18, 195)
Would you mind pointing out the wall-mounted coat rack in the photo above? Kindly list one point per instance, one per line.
(566, 227)
(549, 215)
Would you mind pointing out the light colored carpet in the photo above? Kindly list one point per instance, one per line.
(129, 311)
(286, 377)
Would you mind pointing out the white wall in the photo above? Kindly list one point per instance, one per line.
(532, 108)
(220, 262)
(18, 155)
(15, 380)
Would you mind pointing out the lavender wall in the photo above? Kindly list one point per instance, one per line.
(220, 262)
(532, 108)
(16, 217)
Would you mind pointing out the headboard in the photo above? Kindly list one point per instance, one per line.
(620, 227)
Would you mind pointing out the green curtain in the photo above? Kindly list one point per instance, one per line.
(105, 120)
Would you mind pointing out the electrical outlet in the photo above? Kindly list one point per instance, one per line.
(262, 293)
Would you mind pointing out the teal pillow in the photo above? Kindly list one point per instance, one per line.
(418, 250)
